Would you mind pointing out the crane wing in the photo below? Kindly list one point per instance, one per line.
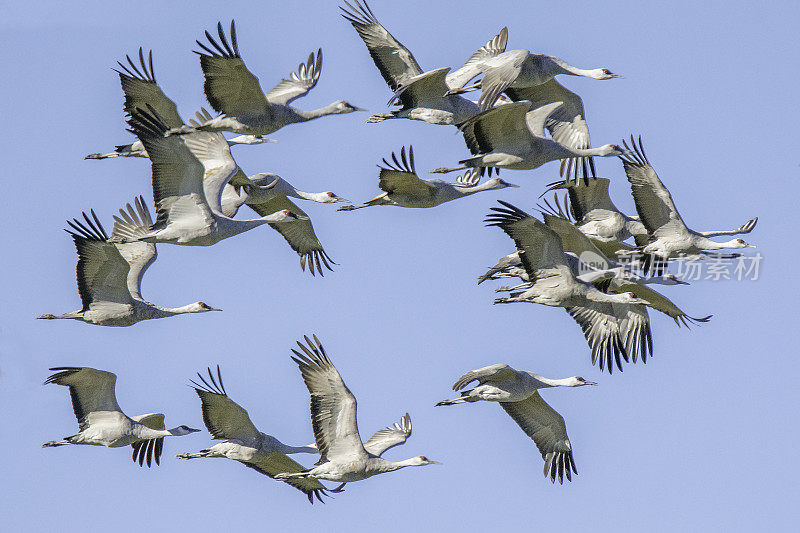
(400, 177)
(574, 241)
(395, 62)
(190, 170)
(224, 418)
(102, 271)
(139, 255)
(426, 88)
(148, 450)
(498, 74)
(473, 66)
(601, 330)
(389, 437)
(634, 329)
(567, 124)
(297, 85)
(488, 374)
(539, 247)
(653, 201)
(278, 463)
(299, 233)
(91, 391)
(230, 88)
(333, 406)
(586, 196)
(547, 429)
(499, 126)
(659, 302)
(141, 89)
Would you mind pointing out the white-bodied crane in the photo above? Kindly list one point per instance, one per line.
(512, 136)
(668, 235)
(421, 95)
(110, 274)
(234, 91)
(101, 422)
(333, 416)
(190, 170)
(402, 187)
(226, 420)
(516, 69)
(517, 392)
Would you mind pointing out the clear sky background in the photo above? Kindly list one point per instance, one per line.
(702, 436)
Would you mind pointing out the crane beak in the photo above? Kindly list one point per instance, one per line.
(434, 462)
(340, 199)
(192, 430)
(590, 383)
(356, 108)
(211, 309)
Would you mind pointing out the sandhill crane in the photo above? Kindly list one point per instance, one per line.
(518, 394)
(235, 92)
(668, 235)
(140, 88)
(611, 309)
(333, 416)
(243, 442)
(110, 274)
(512, 136)
(421, 95)
(402, 187)
(517, 69)
(190, 169)
(101, 422)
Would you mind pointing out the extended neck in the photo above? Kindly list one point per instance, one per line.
(547, 382)
(708, 244)
(313, 196)
(330, 109)
(562, 67)
(391, 466)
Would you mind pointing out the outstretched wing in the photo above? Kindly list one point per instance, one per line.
(488, 374)
(389, 437)
(539, 247)
(130, 225)
(190, 170)
(102, 271)
(299, 233)
(224, 418)
(653, 201)
(297, 85)
(141, 89)
(400, 177)
(278, 463)
(659, 302)
(601, 330)
(547, 429)
(91, 391)
(473, 66)
(567, 124)
(395, 62)
(333, 406)
(230, 88)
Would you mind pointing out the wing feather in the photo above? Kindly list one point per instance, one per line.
(547, 429)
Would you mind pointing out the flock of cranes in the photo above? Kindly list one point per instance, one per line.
(575, 257)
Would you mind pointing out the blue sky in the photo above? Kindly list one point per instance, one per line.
(700, 437)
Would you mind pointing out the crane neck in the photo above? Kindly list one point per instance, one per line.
(330, 109)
